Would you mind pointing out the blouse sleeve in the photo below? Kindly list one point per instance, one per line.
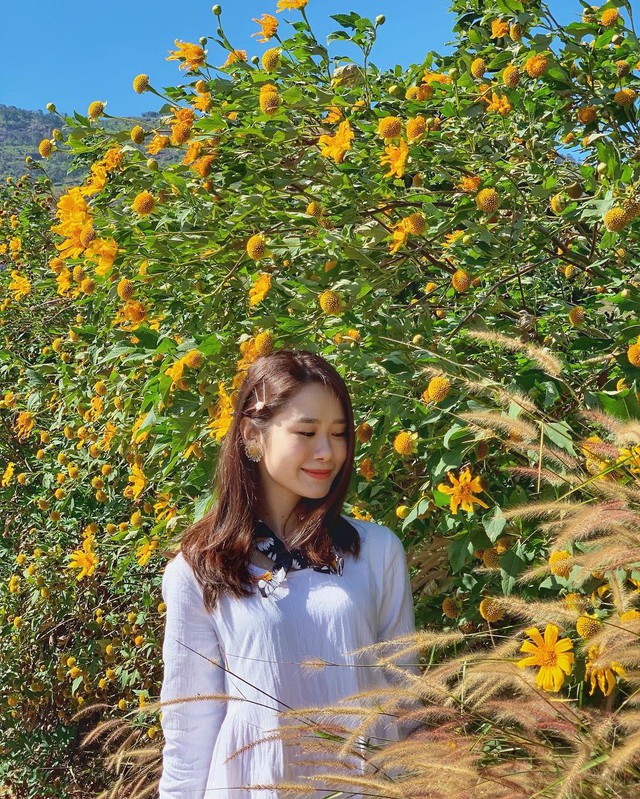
(397, 618)
(190, 728)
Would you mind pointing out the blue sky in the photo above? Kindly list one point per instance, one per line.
(72, 52)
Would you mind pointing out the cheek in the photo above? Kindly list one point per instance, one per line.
(293, 447)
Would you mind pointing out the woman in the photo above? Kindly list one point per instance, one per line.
(272, 578)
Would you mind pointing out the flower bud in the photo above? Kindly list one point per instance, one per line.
(217, 10)
(203, 41)
(255, 59)
(152, 164)
(380, 19)
(51, 108)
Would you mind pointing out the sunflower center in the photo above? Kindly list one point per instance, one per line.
(548, 658)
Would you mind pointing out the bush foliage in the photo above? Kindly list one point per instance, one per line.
(460, 239)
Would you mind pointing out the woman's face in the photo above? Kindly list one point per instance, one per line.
(307, 436)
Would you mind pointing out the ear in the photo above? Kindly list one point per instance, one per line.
(248, 430)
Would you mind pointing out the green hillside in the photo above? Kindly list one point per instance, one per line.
(21, 131)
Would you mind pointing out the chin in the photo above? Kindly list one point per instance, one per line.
(320, 492)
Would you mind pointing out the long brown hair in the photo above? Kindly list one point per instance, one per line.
(218, 547)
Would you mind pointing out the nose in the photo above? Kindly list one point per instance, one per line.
(324, 450)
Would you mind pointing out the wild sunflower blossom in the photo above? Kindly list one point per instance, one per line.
(499, 28)
(389, 128)
(19, 285)
(203, 165)
(337, 146)
(131, 316)
(435, 77)
(145, 551)
(193, 151)
(630, 457)
(84, 559)
(96, 181)
(192, 55)
(222, 416)
(175, 372)
(396, 158)
(235, 55)
(400, 236)
(602, 674)
(73, 213)
(8, 474)
(260, 288)
(268, 27)
(416, 127)
(409, 225)
(24, 424)
(470, 183)
(334, 114)
(291, 5)
(499, 104)
(462, 491)
(203, 102)
(137, 480)
(560, 563)
(405, 443)
(552, 656)
(451, 238)
(143, 203)
(157, 143)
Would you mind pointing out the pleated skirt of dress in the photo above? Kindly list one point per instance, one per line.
(248, 753)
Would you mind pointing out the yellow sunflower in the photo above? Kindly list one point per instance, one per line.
(462, 491)
(552, 656)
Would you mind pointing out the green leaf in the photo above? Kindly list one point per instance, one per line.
(202, 506)
(460, 552)
(455, 433)
(494, 524)
(292, 96)
(623, 406)
(449, 460)
(561, 435)
(511, 565)
(410, 518)
(338, 36)
(346, 20)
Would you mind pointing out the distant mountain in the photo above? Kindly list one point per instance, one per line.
(21, 132)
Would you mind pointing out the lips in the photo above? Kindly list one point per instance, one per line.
(315, 473)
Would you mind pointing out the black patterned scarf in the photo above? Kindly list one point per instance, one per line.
(267, 542)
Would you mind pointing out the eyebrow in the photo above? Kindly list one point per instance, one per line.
(308, 420)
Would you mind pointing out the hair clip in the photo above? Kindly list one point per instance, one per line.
(261, 403)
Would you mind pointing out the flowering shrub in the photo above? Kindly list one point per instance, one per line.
(460, 239)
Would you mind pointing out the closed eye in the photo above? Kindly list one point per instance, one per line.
(339, 435)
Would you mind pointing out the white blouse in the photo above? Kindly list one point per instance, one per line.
(253, 648)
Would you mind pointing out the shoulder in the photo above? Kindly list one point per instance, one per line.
(179, 576)
(377, 537)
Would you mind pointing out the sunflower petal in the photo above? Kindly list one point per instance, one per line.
(534, 633)
(529, 661)
(550, 636)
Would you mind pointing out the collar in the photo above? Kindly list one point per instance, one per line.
(267, 542)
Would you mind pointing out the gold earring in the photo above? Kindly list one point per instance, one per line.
(253, 450)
